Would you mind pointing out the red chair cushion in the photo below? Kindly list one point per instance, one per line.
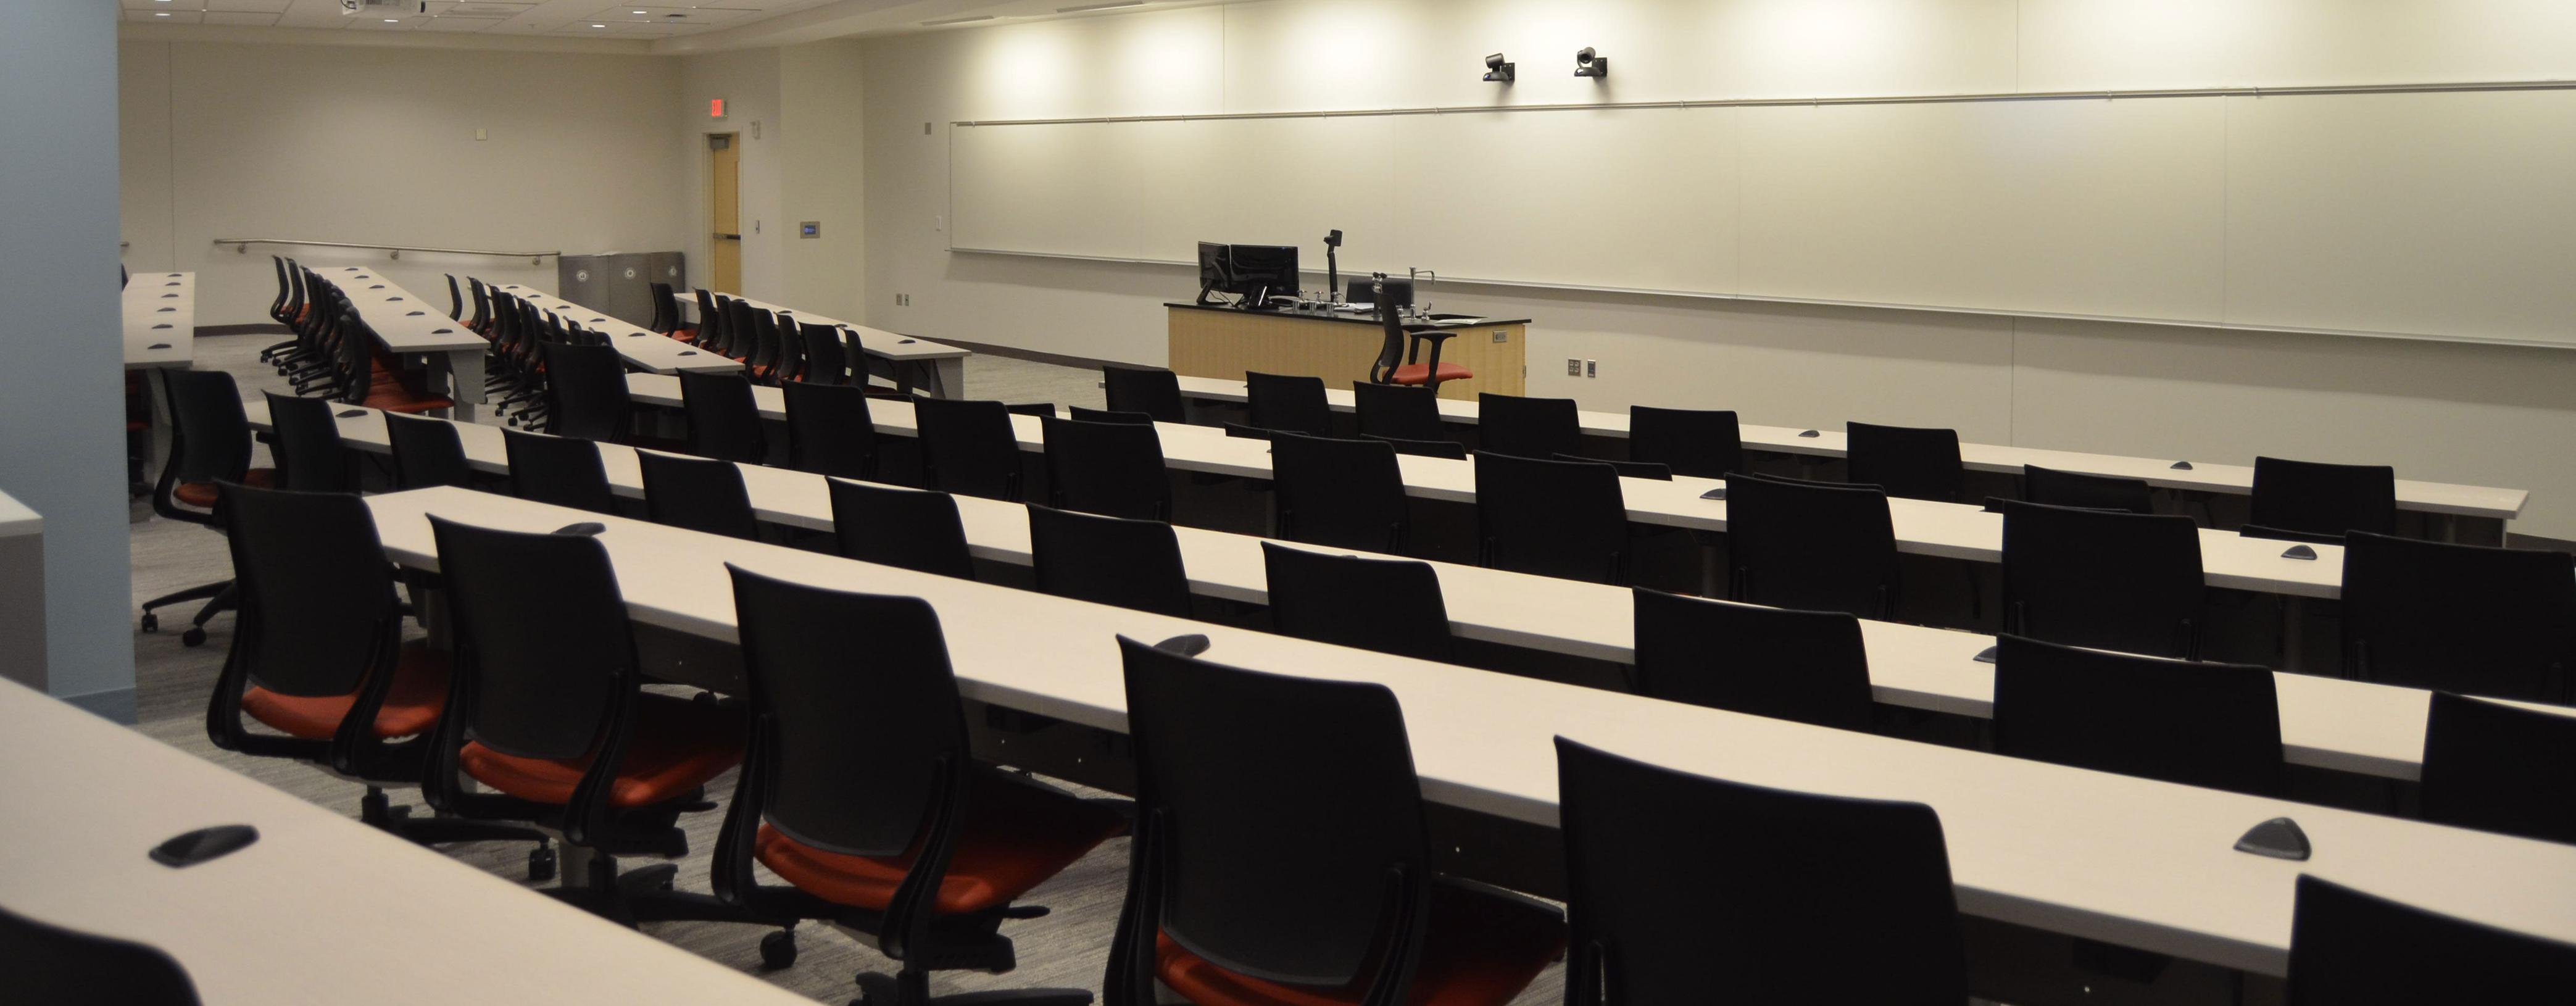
(685, 334)
(1481, 950)
(202, 494)
(677, 746)
(1016, 836)
(1417, 373)
(411, 707)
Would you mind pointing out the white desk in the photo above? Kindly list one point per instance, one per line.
(2130, 861)
(642, 347)
(2428, 497)
(918, 363)
(22, 595)
(160, 335)
(321, 909)
(405, 324)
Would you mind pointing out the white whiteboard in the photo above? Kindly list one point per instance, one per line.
(2448, 215)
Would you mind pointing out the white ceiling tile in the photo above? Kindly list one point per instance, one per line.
(173, 5)
(255, 6)
(241, 19)
(167, 16)
(378, 22)
(453, 23)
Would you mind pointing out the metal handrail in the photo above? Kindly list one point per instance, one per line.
(242, 245)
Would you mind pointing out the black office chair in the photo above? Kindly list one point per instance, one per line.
(2114, 581)
(1626, 469)
(2198, 724)
(711, 337)
(1681, 884)
(2462, 618)
(1114, 469)
(2285, 534)
(700, 494)
(829, 431)
(1319, 891)
(827, 359)
(305, 443)
(1811, 545)
(915, 529)
(1342, 493)
(1527, 427)
(1701, 443)
(1907, 461)
(1038, 409)
(319, 657)
(666, 314)
(54, 966)
(968, 447)
(2350, 948)
(1808, 666)
(1400, 358)
(209, 443)
(2092, 492)
(862, 791)
(724, 419)
(427, 452)
(1109, 560)
(1397, 412)
(2324, 499)
(547, 709)
(1387, 605)
(1551, 518)
(586, 393)
(1153, 391)
(2502, 768)
(564, 471)
(1080, 414)
(1450, 449)
(1293, 404)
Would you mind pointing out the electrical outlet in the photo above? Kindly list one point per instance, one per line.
(1591, 368)
(1573, 368)
(903, 300)
(1502, 335)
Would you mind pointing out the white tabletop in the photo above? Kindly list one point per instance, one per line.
(640, 346)
(321, 909)
(403, 322)
(17, 519)
(2131, 861)
(160, 311)
(876, 341)
(2429, 497)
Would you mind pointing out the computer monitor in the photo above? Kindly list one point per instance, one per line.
(1264, 271)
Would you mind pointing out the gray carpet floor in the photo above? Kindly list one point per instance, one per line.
(1065, 949)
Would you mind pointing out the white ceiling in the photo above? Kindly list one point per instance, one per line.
(647, 20)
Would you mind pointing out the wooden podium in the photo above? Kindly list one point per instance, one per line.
(1224, 342)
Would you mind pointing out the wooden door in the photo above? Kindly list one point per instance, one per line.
(724, 210)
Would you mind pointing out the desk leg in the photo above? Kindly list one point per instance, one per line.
(464, 381)
(156, 386)
(948, 378)
(2294, 632)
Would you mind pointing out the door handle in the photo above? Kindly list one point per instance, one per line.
(730, 237)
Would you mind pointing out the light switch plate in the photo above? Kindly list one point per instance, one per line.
(1573, 368)
(810, 229)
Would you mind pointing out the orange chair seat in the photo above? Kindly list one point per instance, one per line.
(1016, 836)
(1481, 950)
(677, 746)
(1418, 373)
(411, 706)
(202, 494)
(685, 334)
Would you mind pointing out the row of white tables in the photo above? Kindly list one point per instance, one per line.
(2124, 860)
(160, 328)
(936, 368)
(640, 346)
(407, 325)
(2428, 497)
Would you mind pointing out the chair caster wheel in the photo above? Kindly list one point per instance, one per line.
(151, 622)
(541, 863)
(778, 950)
(195, 636)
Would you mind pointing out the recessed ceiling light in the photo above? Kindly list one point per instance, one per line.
(393, 20)
(1099, 6)
(956, 20)
(161, 15)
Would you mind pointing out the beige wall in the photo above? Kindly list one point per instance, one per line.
(2485, 414)
(376, 145)
(748, 81)
(822, 97)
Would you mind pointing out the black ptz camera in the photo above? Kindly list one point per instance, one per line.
(1588, 65)
(1498, 71)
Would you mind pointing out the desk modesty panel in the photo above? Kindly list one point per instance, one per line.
(1224, 342)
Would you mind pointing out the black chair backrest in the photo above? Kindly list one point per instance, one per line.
(2349, 948)
(1295, 886)
(968, 447)
(564, 471)
(2285, 534)
(586, 391)
(1811, 545)
(826, 360)
(1527, 427)
(666, 309)
(857, 742)
(1450, 449)
(2322, 498)
(1552, 518)
(427, 452)
(318, 611)
(1387, 605)
(724, 419)
(1153, 391)
(541, 637)
(712, 326)
(1038, 409)
(1677, 878)
(2199, 724)
(2115, 581)
(1907, 461)
(700, 494)
(1294, 404)
(209, 432)
(1701, 443)
(62, 967)
(1626, 469)
(1079, 414)
(2500, 768)
(2462, 618)
(1343, 493)
(307, 448)
(829, 430)
(914, 529)
(1401, 412)
(1109, 560)
(2092, 492)
(1114, 469)
(455, 300)
(1807, 666)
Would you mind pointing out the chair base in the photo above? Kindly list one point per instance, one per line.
(912, 988)
(376, 810)
(224, 597)
(640, 896)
